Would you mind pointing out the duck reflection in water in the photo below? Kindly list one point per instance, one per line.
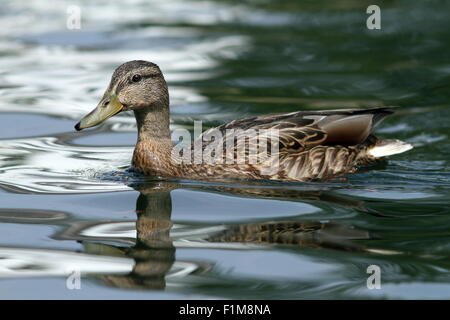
(152, 240)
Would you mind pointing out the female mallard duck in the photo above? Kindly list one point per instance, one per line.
(309, 145)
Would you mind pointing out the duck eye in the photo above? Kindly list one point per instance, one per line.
(136, 78)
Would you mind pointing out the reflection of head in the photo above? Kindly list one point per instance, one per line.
(154, 253)
(150, 269)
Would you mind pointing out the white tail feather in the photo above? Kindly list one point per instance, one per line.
(386, 148)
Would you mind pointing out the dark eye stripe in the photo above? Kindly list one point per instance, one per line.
(132, 79)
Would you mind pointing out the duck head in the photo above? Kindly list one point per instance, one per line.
(135, 85)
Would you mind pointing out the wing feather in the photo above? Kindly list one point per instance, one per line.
(312, 144)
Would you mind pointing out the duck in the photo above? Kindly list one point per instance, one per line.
(301, 146)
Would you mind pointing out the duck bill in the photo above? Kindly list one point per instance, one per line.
(101, 113)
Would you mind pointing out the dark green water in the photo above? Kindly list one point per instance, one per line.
(67, 203)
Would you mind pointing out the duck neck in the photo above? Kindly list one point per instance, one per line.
(153, 123)
(154, 145)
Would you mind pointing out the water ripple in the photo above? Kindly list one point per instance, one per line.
(44, 165)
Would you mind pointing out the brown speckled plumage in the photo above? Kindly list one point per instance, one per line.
(312, 145)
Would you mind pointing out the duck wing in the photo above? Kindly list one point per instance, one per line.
(312, 144)
(303, 130)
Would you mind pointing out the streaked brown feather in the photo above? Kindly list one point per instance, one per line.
(312, 145)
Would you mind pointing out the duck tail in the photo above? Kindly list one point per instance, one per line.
(388, 147)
